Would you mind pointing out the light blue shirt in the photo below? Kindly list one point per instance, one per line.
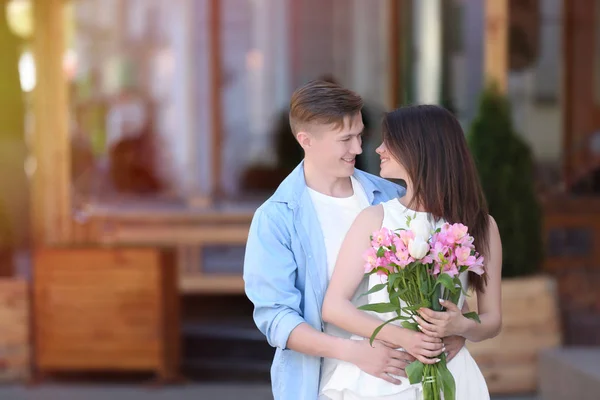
(285, 275)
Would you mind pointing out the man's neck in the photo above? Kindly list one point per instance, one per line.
(325, 184)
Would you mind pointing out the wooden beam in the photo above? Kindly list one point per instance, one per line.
(567, 89)
(51, 209)
(216, 80)
(209, 284)
(172, 235)
(496, 43)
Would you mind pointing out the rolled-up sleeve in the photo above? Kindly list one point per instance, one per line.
(270, 279)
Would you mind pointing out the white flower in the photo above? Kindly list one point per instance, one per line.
(418, 248)
(421, 228)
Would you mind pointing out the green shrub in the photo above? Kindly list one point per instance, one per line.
(505, 166)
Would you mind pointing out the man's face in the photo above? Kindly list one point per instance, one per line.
(333, 151)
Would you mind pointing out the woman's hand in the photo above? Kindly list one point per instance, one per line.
(441, 324)
(423, 347)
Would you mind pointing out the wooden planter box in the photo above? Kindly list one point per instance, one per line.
(531, 324)
(572, 237)
(101, 309)
(15, 352)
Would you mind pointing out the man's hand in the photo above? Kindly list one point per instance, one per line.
(380, 360)
(453, 345)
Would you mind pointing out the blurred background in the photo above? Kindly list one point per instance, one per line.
(138, 137)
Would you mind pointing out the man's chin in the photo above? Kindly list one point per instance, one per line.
(348, 170)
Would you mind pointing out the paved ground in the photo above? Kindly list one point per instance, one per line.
(129, 392)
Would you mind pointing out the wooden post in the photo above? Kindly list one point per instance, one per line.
(496, 43)
(51, 201)
(394, 42)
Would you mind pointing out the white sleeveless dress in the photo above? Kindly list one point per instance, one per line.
(345, 381)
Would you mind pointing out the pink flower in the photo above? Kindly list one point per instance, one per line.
(462, 255)
(382, 273)
(467, 241)
(403, 257)
(473, 262)
(405, 237)
(453, 233)
(372, 261)
(477, 266)
(398, 243)
(382, 237)
(387, 260)
(439, 252)
(393, 260)
(427, 259)
(370, 256)
(451, 269)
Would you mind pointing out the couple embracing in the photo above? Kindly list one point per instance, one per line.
(304, 267)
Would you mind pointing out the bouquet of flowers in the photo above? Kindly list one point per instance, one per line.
(420, 266)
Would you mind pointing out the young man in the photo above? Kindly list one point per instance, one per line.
(294, 239)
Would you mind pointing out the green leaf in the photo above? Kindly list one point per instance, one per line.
(447, 380)
(447, 281)
(375, 270)
(472, 315)
(379, 307)
(378, 329)
(410, 325)
(435, 298)
(392, 278)
(381, 252)
(414, 372)
(424, 278)
(455, 296)
(396, 302)
(374, 289)
(395, 294)
(414, 308)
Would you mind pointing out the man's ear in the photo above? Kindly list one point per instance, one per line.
(305, 139)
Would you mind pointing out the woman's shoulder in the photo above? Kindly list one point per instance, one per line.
(493, 230)
(369, 219)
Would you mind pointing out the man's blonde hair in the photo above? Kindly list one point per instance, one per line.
(322, 103)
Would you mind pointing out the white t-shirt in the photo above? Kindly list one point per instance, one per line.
(335, 216)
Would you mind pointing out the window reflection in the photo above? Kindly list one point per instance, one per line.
(127, 94)
(140, 80)
(270, 47)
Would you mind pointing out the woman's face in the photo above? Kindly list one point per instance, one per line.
(389, 167)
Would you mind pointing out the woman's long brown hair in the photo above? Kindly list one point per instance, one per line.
(430, 143)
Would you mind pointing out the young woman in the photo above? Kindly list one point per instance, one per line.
(424, 146)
